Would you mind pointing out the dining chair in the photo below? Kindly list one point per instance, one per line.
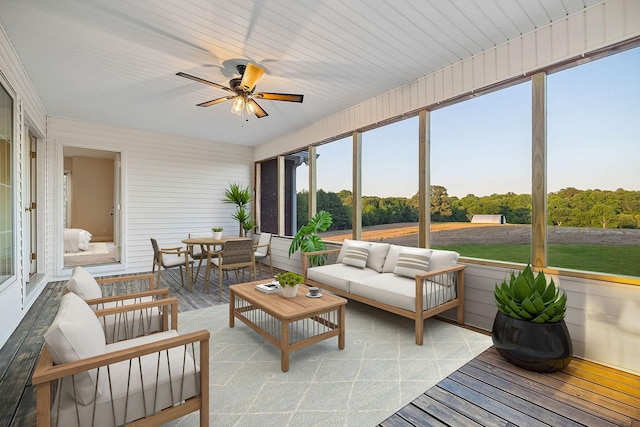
(262, 250)
(178, 257)
(197, 252)
(236, 254)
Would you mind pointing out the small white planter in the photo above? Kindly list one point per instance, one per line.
(217, 235)
(289, 291)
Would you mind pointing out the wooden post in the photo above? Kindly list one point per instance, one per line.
(539, 171)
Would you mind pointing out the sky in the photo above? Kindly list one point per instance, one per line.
(483, 146)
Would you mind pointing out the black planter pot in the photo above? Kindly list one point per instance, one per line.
(539, 347)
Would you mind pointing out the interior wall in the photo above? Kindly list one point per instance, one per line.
(92, 202)
(172, 186)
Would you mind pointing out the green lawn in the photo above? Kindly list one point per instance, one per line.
(623, 260)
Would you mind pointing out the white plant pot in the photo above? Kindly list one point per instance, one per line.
(289, 291)
(217, 235)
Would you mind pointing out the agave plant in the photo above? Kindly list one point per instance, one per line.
(526, 297)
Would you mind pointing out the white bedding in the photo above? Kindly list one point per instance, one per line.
(76, 239)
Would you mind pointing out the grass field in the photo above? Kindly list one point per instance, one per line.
(623, 260)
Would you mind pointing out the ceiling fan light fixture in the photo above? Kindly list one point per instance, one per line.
(238, 106)
(251, 109)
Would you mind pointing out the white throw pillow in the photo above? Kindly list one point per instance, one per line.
(83, 284)
(412, 262)
(76, 334)
(392, 258)
(356, 255)
(377, 254)
(343, 249)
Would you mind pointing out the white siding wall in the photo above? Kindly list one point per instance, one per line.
(593, 306)
(172, 186)
(28, 107)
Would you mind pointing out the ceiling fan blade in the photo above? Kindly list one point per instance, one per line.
(290, 97)
(207, 82)
(216, 101)
(250, 77)
(257, 109)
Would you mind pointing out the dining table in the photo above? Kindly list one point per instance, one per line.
(206, 245)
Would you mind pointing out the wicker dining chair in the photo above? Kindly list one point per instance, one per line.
(236, 254)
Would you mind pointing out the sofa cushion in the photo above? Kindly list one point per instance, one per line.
(168, 370)
(392, 258)
(76, 334)
(338, 275)
(412, 261)
(356, 254)
(83, 284)
(400, 291)
(442, 259)
(439, 259)
(377, 253)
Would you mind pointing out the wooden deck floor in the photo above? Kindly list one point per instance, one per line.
(488, 391)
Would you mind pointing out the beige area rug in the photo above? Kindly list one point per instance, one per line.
(96, 248)
(379, 371)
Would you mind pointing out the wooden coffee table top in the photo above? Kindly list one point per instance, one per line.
(286, 308)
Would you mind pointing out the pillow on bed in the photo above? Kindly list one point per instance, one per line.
(83, 284)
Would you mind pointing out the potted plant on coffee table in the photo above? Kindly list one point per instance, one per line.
(289, 282)
(529, 329)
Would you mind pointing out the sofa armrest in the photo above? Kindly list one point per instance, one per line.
(307, 255)
(437, 282)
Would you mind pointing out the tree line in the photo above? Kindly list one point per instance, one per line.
(568, 207)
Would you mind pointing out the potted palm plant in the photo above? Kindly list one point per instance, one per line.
(239, 196)
(529, 329)
(289, 282)
(307, 239)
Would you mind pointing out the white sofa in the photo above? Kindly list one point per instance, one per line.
(412, 282)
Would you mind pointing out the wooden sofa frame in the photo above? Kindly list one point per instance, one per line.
(46, 374)
(419, 315)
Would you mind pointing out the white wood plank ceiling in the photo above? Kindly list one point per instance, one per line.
(114, 62)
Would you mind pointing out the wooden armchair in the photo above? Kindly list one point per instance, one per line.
(124, 290)
(177, 257)
(82, 381)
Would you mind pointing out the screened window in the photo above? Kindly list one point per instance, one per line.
(481, 176)
(390, 183)
(593, 140)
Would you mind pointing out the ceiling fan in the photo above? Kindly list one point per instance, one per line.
(243, 91)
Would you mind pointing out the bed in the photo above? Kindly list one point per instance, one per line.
(76, 240)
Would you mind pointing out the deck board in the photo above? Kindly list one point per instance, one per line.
(492, 392)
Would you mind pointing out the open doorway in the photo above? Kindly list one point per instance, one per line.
(91, 202)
